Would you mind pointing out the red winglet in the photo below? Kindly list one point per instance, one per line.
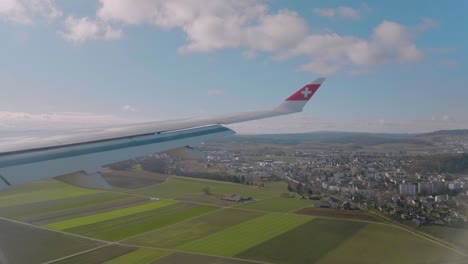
(306, 92)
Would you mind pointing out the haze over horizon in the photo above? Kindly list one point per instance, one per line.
(390, 66)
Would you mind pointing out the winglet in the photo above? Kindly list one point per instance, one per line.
(306, 92)
(297, 101)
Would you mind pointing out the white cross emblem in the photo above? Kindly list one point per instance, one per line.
(306, 92)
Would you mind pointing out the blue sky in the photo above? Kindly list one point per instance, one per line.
(391, 66)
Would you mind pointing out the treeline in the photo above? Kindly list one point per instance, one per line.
(440, 163)
(215, 176)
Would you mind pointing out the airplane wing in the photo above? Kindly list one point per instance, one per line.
(25, 159)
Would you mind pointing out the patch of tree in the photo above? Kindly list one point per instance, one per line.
(440, 163)
(215, 176)
(155, 165)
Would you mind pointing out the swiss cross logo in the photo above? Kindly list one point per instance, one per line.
(306, 92)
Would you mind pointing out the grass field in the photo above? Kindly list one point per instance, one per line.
(34, 212)
(386, 244)
(176, 187)
(96, 218)
(40, 191)
(456, 236)
(207, 199)
(339, 214)
(140, 256)
(98, 256)
(336, 241)
(278, 204)
(181, 233)
(238, 238)
(263, 231)
(310, 241)
(134, 224)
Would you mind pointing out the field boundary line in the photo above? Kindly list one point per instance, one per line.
(162, 228)
(201, 254)
(53, 230)
(76, 254)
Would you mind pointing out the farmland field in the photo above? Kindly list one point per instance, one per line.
(181, 233)
(337, 241)
(388, 244)
(278, 204)
(238, 238)
(98, 256)
(199, 228)
(20, 243)
(40, 191)
(311, 241)
(131, 225)
(338, 214)
(91, 219)
(140, 256)
(456, 236)
(176, 187)
(44, 211)
(183, 258)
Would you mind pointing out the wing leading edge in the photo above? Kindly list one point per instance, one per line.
(28, 159)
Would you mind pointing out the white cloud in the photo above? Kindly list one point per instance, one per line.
(25, 11)
(249, 25)
(344, 12)
(128, 108)
(83, 29)
(390, 42)
(319, 67)
(216, 92)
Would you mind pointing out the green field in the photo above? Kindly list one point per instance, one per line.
(387, 244)
(272, 229)
(185, 232)
(278, 204)
(40, 191)
(456, 236)
(176, 187)
(309, 241)
(98, 256)
(96, 218)
(336, 241)
(183, 258)
(131, 225)
(238, 238)
(45, 211)
(140, 256)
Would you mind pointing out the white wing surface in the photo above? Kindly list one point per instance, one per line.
(29, 158)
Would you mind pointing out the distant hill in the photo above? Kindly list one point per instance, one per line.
(358, 138)
(326, 137)
(455, 132)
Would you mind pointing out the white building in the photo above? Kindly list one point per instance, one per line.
(408, 189)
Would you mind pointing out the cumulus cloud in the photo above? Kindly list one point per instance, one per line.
(82, 29)
(250, 26)
(24, 11)
(390, 42)
(344, 12)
